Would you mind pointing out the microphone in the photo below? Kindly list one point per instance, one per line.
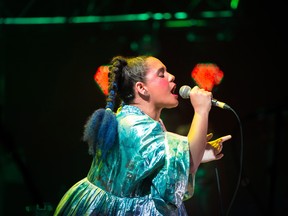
(185, 93)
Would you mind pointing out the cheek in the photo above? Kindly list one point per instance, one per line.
(163, 83)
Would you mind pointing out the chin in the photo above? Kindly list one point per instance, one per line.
(170, 106)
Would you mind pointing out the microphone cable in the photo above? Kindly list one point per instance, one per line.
(219, 191)
(240, 169)
(184, 93)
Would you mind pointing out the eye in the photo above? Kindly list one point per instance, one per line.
(161, 72)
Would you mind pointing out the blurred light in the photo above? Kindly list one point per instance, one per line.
(90, 19)
(234, 4)
(116, 18)
(146, 45)
(191, 37)
(180, 19)
(216, 14)
(76, 19)
(161, 16)
(101, 78)
(185, 23)
(134, 46)
(207, 75)
(224, 36)
(181, 15)
(33, 20)
(167, 15)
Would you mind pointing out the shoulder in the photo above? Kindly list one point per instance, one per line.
(131, 116)
(135, 124)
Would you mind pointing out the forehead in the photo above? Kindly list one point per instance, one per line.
(154, 64)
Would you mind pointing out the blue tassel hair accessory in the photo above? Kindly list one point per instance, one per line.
(100, 131)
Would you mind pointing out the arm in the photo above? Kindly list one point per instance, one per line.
(201, 102)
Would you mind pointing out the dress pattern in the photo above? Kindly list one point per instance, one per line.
(145, 173)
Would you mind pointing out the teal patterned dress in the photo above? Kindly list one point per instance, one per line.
(145, 173)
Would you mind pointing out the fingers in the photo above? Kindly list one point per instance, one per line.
(200, 99)
(218, 143)
(225, 138)
(209, 136)
(197, 90)
(219, 156)
(200, 91)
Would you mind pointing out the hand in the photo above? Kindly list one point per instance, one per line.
(200, 99)
(214, 148)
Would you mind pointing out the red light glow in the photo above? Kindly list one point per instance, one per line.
(207, 75)
(101, 78)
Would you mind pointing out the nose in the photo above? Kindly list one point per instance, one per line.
(171, 77)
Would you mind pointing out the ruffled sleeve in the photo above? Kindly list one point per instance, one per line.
(174, 183)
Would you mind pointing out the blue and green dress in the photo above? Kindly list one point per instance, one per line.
(146, 172)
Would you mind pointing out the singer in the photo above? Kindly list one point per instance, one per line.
(138, 167)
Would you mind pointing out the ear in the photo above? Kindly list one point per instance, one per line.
(141, 88)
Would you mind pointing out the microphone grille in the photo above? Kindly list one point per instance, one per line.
(184, 91)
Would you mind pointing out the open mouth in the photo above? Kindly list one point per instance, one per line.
(173, 89)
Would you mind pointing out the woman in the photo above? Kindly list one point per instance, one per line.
(138, 167)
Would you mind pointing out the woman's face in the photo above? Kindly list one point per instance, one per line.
(160, 85)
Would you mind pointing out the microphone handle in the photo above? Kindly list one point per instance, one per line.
(220, 104)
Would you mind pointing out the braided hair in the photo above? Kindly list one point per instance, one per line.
(101, 129)
(124, 73)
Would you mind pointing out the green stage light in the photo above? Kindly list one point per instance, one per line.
(33, 20)
(216, 14)
(115, 18)
(181, 15)
(185, 23)
(234, 4)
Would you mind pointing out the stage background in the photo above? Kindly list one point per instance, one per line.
(48, 92)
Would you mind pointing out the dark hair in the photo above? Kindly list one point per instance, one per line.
(124, 72)
(101, 129)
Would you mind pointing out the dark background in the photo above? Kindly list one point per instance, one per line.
(48, 92)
